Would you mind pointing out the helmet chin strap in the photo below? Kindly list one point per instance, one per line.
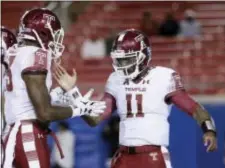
(39, 40)
(135, 73)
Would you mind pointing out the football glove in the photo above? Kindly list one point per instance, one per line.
(84, 106)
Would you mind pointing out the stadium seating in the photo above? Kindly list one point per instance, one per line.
(14, 11)
(200, 60)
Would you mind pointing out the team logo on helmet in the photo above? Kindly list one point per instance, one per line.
(48, 18)
(140, 37)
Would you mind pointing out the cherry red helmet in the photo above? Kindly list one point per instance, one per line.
(131, 53)
(43, 26)
(8, 39)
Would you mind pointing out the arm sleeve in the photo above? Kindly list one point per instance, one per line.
(183, 101)
(174, 85)
(37, 63)
(110, 105)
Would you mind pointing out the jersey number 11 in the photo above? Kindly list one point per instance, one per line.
(138, 101)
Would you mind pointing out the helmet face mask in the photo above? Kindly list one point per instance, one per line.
(125, 64)
(56, 46)
(130, 56)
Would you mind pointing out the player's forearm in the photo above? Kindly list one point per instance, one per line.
(54, 113)
(49, 112)
(200, 114)
(204, 119)
(38, 93)
(190, 106)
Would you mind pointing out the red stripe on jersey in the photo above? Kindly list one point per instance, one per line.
(32, 155)
(28, 137)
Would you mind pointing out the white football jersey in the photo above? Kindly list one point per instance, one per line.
(18, 105)
(142, 106)
(1, 115)
(2, 70)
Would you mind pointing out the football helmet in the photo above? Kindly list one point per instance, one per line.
(130, 53)
(8, 39)
(43, 26)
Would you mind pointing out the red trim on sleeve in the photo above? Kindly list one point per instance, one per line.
(110, 105)
(169, 95)
(183, 101)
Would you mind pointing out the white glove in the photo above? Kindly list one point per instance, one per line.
(74, 94)
(59, 97)
(83, 106)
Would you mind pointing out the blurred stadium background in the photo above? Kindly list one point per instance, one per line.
(200, 59)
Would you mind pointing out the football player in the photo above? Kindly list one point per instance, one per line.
(28, 108)
(8, 39)
(143, 95)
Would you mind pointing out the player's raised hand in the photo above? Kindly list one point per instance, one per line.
(96, 107)
(210, 141)
(65, 80)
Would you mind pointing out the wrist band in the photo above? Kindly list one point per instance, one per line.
(208, 125)
(74, 93)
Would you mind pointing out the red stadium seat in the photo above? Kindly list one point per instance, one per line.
(200, 61)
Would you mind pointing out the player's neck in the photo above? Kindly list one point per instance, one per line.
(141, 75)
